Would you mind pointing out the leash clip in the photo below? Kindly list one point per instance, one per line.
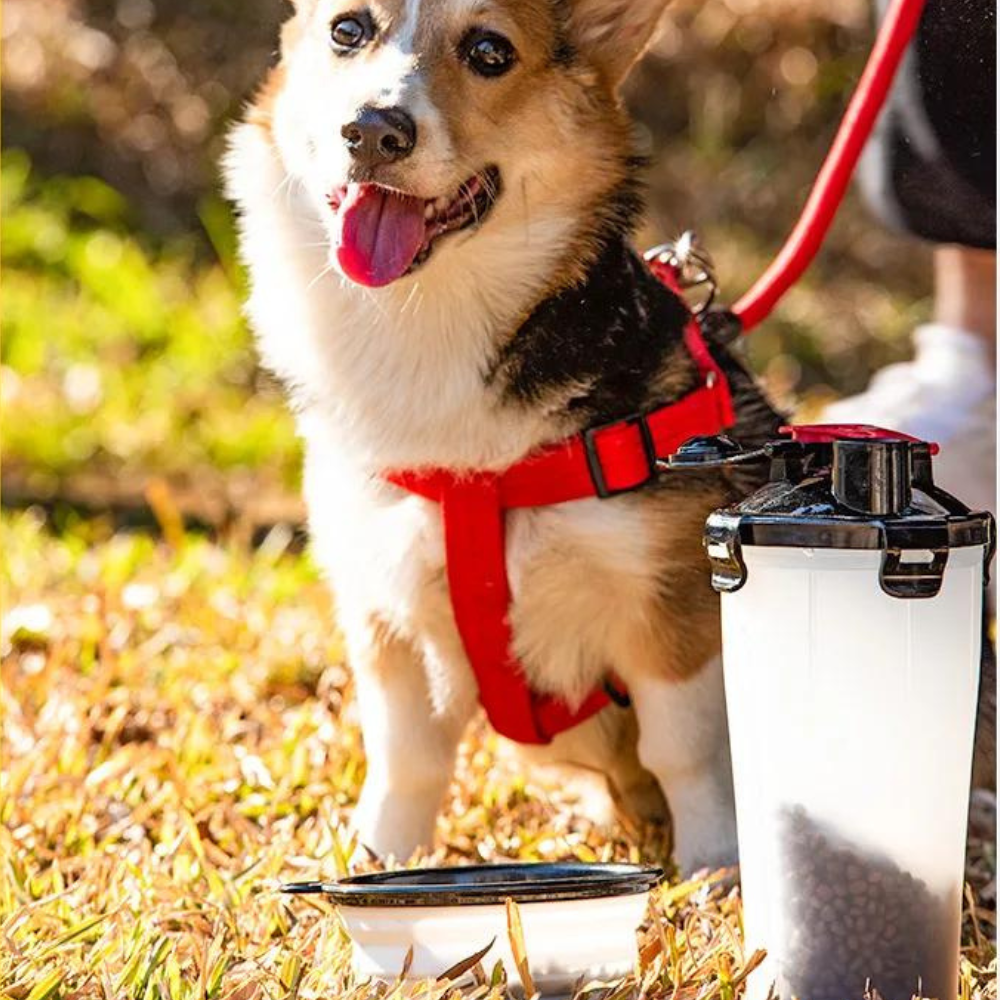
(684, 264)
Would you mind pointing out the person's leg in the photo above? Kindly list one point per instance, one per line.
(965, 299)
(947, 393)
(965, 292)
(929, 169)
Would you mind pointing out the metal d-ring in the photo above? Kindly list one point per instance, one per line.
(691, 263)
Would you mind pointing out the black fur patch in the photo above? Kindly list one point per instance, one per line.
(756, 419)
(563, 53)
(605, 346)
(610, 336)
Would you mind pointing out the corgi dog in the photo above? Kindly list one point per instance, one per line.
(435, 201)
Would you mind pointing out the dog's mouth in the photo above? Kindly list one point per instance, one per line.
(382, 233)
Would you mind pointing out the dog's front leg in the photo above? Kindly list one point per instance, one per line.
(684, 741)
(410, 748)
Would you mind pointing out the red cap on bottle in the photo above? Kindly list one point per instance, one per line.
(828, 433)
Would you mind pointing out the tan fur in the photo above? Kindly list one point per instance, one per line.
(394, 377)
(595, 593)
(617, 41)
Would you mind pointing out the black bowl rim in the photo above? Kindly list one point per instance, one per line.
(464, 885)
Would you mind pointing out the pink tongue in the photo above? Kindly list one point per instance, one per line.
(380, 234)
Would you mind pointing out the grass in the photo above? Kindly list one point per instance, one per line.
(180, 736)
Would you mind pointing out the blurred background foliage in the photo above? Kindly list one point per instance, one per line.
(125, 358)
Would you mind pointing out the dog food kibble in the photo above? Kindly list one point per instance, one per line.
(853, 917)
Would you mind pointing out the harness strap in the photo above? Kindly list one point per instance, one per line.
(602, 462)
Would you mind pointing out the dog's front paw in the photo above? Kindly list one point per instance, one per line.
(704, 825)
(393, 824)
(710, 848)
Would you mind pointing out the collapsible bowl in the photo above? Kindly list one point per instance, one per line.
(579, 920)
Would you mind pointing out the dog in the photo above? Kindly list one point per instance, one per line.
(435, 199)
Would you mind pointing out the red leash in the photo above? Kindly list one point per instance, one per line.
(621, 456)
(898, 27)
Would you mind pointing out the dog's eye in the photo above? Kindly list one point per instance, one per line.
(488, 53)
(351, 31)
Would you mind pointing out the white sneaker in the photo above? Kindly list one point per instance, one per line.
(946, 394)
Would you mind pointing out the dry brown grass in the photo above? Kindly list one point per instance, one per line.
(179, 737)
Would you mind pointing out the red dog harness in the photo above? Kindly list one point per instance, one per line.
(601, 462)
(620, 456)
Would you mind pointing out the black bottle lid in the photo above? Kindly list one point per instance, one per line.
(844, 486)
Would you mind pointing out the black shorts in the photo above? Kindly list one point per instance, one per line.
(930, 167)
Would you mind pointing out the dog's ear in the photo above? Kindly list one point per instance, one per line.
(614, 33)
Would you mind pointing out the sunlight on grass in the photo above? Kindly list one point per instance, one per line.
(180, 736)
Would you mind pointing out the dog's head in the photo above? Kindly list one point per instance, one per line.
(409, 121)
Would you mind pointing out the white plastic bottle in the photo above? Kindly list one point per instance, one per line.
(852, 619)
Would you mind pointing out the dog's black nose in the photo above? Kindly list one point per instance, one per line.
(380, 135)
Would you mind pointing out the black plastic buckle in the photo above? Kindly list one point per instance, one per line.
(617, 695)
(594, 459)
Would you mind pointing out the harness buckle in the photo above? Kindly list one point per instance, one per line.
(595, 467)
